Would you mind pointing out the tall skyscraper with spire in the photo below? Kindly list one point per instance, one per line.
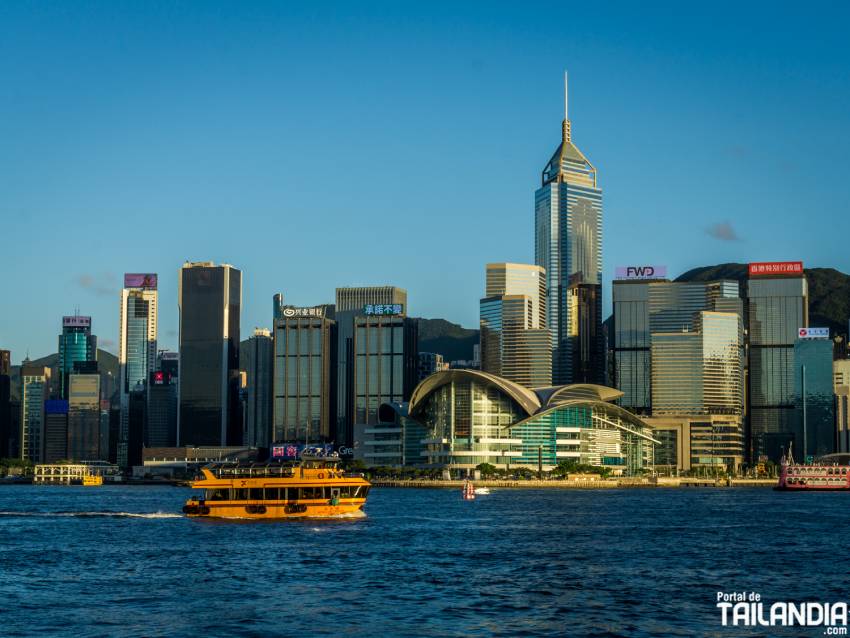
(568, 245)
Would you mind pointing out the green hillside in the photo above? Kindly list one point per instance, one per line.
(448, 339)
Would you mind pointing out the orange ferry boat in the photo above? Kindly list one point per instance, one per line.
(314, 488)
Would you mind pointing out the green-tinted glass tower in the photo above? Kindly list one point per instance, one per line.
(76, 345)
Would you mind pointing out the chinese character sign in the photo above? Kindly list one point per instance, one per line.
(383, 309)
(776, 268)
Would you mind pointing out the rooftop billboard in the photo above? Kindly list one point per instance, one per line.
(140, 280)
(641, 272)
(767, 268)
(76, 322)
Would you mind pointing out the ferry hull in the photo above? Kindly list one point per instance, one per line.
(264, 511)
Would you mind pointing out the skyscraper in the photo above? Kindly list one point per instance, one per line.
(137, 333)
(643, 306)
(352, 303)
(55, 430)
(697, 377)
(210, 299)
(257, 360)
(35, 389)
(305, 352)
(814, 397)
(84, 417)
(161, 413)
(778, 306)
(568, 245)
(515, 342)
(76, 345)
(5, 403)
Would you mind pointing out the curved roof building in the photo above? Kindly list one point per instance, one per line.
(472, 417)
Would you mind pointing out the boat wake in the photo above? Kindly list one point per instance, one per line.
(93, 514)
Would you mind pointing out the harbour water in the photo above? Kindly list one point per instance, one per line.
(122, 561)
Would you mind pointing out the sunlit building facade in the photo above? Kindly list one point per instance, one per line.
(473, 417)
(700, 373)
(515, 342)
(137, 338)
(841, 384)
(644, 307)
(567, 241)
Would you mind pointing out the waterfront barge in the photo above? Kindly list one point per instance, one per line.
(316, 487)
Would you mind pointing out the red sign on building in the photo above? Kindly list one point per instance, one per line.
(766, 268)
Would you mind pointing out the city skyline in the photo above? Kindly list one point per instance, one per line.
(173, 177)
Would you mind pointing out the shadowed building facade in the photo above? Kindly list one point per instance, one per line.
(210, 299)
(256, 360)
(372, 310)
(778, 306)
(303, 387)
(35, 390)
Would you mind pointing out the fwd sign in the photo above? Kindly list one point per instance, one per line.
(641, 272)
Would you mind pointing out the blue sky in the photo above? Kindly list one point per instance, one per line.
(319, 145)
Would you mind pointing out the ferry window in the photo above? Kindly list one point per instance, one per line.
(273, 493)
(311, 492)
(240, 494)
(216, 495)
(256, 493)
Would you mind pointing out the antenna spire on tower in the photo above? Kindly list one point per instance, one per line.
(566, 98)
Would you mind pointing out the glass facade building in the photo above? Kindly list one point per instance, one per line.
(841, 384)
(35, 390)
(257, 361)
(567, 241)
(84, 417)
(210, 298)
(76, 345)
(515, 342)
(814, 398)
(5, 404)
(55, 430)
(777, 309)
(137, 338)
(161, 412)
(473, 417)
(642, 308)
(699, 372)
(351, 305)
(385, 364)
(303, 386)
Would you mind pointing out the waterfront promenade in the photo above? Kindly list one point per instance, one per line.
(600, 484)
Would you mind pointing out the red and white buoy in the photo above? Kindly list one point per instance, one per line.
(468, 491)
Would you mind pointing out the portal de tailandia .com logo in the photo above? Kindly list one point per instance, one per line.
(747, 609)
